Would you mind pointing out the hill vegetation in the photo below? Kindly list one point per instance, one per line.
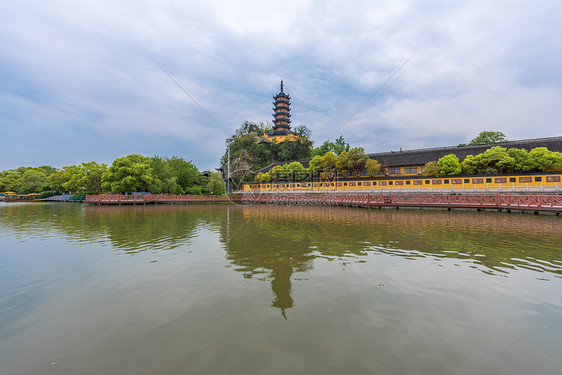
(249, 151)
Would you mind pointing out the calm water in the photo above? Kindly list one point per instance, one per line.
(216, 289)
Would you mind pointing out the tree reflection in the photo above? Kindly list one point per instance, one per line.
(273, 243)
(281, 240)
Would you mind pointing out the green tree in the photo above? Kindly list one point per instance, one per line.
(32, 181)
(250, 127)
(56, 180)
(303, 131)
(291, 150)
(285, 173)
(85, 177)
(497, 159)
(315, 163)
(163, 181)
(342, 162)
(296, 171)
(48, 170)
(357, 158)
(546, 160)
(216, 184)
(9, 180)
(277, 173)
(92, 173)
(128, 174)
(523, 160)
(352, 160)
(372, 167)
(449, 165)
(195, 190)
(431, 169)
(472, 164)
(185, 172)
(328, 161)
(488, 137)
(173, 175)
(337, 147)
(72, 178)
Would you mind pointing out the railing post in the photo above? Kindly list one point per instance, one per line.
(540, 199)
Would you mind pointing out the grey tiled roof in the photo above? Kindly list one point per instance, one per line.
(425, 155)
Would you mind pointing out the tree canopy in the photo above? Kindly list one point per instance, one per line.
(497, 160)
(352, 160)
(128, 173)
(449, 165)
(488, 137)
(25, 180)
(337, 147)
(216, 184)
(172, 175)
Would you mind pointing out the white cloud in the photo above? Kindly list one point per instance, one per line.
(87, 66)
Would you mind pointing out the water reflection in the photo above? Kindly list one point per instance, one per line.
(273, 243)
(495, 242)
(271, 248)
(279, 241)
(128, 229)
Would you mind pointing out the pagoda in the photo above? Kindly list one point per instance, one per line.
(281, 119)
(282, 112)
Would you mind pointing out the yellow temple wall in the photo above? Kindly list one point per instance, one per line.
(281, 138)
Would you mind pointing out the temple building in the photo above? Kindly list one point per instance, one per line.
(281, 119)
(412, 162)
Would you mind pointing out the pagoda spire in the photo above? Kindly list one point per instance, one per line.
(281, 85)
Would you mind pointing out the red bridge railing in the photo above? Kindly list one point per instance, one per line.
(500, 201)
(508, 201)
(149, 198)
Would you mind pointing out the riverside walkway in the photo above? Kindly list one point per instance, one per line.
(507, 202)
(157, 198)
(501, 202)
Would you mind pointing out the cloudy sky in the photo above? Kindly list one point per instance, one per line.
(90, 80)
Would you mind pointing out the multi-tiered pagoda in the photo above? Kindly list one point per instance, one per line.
(281, 119)
(282, 112)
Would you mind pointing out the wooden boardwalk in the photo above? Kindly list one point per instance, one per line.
(149, 198)
(507, 202)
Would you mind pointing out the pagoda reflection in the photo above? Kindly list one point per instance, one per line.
(273, 248)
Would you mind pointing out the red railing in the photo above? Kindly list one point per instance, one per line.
(508, 201)
(149, 198)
